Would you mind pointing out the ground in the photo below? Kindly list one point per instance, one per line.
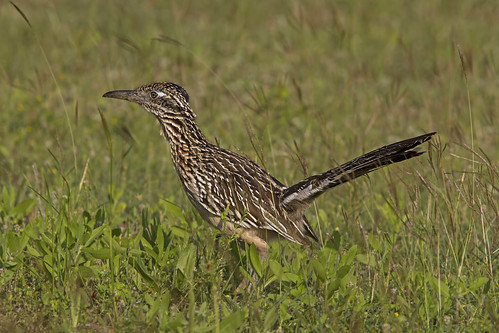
(97, 234)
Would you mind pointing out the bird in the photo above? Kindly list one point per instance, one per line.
(235, 194)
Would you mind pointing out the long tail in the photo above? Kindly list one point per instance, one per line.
(299, 196)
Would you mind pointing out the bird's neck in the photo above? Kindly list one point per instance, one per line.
(185, 138)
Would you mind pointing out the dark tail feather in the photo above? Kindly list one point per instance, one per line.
(300, 195)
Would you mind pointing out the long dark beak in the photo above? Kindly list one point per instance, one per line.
(127, 95)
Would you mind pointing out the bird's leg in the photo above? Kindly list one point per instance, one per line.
(250, 237)
(243, 241)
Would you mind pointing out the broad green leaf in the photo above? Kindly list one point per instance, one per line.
(366, 259)
(186, 261)
(47, 261)
(102, 253)
(117, 248)
(95, 233)
(342, 271)
(232, 322)
(477, 283)
(175, 324)
(290, 277)
(374, 242)
(34, 252)
(180, 232)
(138, 264)
(24, 207)
(160, 240)
(165, 301)
(255, 260)
(347, 259)
(270, 319)
(152, 253)
(319, 270)
(335, 241)
(10, 264)
(5, 196)
(145, 243)
(438, 285)
(151, 314)
(135, 252)
(9, 197)
(276, 268)
(7, 275)
(171, 208)
(14, 242)
(333, 286)
(86, 272)
(21, 242)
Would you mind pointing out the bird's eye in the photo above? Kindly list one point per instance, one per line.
(154, 94)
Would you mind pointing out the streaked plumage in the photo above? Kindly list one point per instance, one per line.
(218, 182)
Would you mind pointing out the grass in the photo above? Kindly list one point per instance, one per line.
(97, 234)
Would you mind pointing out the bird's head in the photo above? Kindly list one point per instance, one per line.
(163, 99)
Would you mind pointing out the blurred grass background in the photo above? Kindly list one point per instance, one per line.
(298, 87)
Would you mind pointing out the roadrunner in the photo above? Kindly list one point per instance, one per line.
(232, 192)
